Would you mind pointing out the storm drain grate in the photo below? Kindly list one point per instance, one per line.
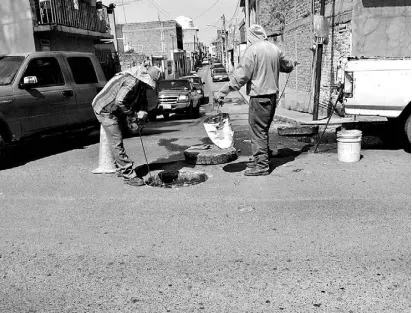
(177, 178)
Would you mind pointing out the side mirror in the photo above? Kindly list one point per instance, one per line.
(29, 82)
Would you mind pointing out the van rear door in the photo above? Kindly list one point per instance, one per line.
(377, 87)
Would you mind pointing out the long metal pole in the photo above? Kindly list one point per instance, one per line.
(319, 54)
(225, 45)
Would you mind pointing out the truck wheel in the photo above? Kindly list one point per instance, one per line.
(190, 110)
(196, 112)
(2, 151)
(408, 128)
(152, 116)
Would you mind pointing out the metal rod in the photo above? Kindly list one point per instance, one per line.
(330, 116)
(145, 156)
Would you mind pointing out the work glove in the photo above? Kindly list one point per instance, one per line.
(142, 117)
(136, 121)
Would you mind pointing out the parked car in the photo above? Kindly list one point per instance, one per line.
(46, 92)
(176, 96)
(199, 85)
(219, 74)
(215, 66)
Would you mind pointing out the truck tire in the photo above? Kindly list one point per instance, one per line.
(196, 111)
(408, 128)
(152, 116)
(2, 151)
(190, 111)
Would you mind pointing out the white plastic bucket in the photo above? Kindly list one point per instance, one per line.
(349, 145)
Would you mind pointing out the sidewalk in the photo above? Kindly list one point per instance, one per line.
(306, 119)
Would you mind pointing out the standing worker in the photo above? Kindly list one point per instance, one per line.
(259, 70)
(124, 98)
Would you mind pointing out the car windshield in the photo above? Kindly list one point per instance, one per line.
(174, 85)
(9, 65)
(197, 80)
(218, 65)
(220, 71)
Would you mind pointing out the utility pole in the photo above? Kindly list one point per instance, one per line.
(225, 38)
(173, 56)
(247, 7)
(318, 74)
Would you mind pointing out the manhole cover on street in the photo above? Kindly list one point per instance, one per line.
(177, 178)
(210, 156)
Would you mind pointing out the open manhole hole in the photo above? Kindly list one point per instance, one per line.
(177, 178)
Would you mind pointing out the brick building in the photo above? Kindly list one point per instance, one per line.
(159, 42)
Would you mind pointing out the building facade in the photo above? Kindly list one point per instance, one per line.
(56, 25)
(356, 28)
(159, 42)
(39, 25)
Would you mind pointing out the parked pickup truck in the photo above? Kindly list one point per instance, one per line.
(176, 96)
(379, 86)
(43, 92)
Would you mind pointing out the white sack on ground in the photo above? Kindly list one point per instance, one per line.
(219, 130)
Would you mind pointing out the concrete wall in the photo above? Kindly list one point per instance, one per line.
(382, 28)
(16, 27)
(63, 42)
(189, 36)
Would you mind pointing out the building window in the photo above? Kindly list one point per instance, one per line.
(47, 71)
(83, 70)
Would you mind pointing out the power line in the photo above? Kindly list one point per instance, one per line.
(153, 2)
(206, 10)
(236, 10)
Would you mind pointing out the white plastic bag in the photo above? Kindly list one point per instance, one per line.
(219, 130)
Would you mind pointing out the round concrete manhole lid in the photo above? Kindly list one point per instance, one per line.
(211, 155)
(177, 178)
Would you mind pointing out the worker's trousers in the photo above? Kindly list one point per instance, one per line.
(124, 166)
(261, 113)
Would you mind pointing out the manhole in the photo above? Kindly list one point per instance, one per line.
(177, 178)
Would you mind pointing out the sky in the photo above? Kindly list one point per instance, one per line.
(137, 11)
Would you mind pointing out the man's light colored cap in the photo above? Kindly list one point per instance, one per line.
(147, 75)
(256, 33)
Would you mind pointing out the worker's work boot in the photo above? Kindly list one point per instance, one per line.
(257, 171)
(135, 181)
(252, 163)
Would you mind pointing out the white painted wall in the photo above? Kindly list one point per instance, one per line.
(16, 27)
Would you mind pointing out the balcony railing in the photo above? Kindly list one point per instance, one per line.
(71, 13)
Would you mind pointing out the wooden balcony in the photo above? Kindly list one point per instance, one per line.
(70, 16)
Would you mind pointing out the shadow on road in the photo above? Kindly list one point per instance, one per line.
(281, 157)
(38, 148)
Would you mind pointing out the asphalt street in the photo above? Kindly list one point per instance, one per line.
(317, 235)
